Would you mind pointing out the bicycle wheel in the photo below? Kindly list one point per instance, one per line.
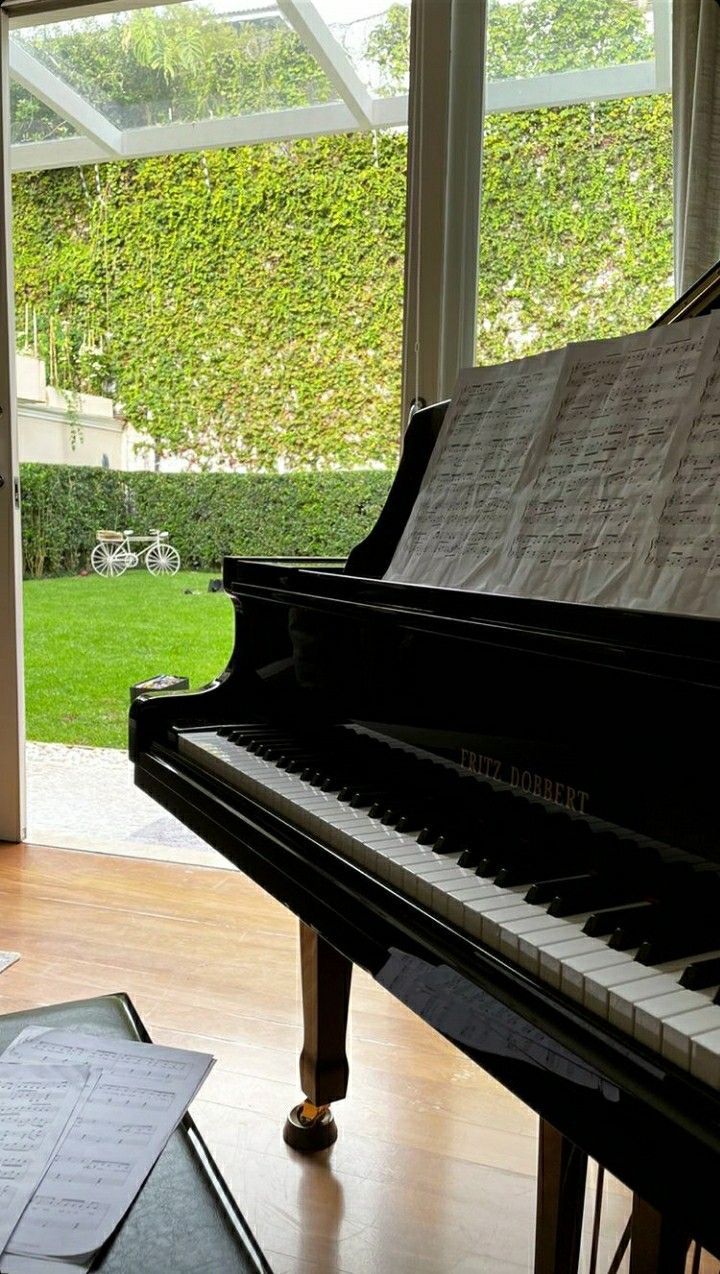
(109, 560)
(162, 559)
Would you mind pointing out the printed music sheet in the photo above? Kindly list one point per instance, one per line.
(490, 442)
(112, 1142)
(36, 1105)
(599, 485)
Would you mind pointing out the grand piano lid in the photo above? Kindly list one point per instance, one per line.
(655, 644)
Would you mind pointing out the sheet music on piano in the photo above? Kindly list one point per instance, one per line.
(588, 474)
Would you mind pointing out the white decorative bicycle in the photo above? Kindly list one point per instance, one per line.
(114, 553)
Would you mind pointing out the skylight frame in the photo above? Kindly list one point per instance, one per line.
(100, 140)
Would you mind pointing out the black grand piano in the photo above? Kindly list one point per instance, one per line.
(505, 810)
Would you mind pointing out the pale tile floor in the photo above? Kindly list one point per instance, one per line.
(85, 798)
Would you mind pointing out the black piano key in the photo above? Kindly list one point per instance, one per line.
(272, 751)
(414, 814)
(378, 809)
(701, 974)
(674, 946)
(251, 744)
(427, 836)
(587, 892)
(328, 783)
(457, 844)
(635, 929)
(607, 919)
(489, 864)
(296, 764)
(545, 890)
(534, 866)
(449, 843)
(297, 752)
(251, 731)
(360, 798)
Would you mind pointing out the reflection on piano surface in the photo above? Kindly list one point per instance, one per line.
(504, 809)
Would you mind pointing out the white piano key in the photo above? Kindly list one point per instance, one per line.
(651, 1015)
(705, 1058)
(457, 894)
(457, 901)
(678, 1032)
(553, 956)
(622, 1000)
(495, 921)
(524, 944)
(520, 938)
(598, 982)
(576, 970)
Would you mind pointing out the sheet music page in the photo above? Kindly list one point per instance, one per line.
(684, 560)
(588, 526)
(36, 1104)
(628, 427)
(142, 1093)
(490, 442)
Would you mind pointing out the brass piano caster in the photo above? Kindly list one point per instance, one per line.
(310, 1128)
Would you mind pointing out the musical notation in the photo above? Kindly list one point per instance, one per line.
(588, 474)
(139, 1094)
(36, 1103)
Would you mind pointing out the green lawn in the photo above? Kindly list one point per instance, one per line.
(87, 640)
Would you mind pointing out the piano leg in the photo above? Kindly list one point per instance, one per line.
(562, 1172)
(323, 1061)
(657, 1246)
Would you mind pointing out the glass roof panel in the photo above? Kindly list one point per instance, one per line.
(33, 121)
(182, 63)
(375, 35)
(522, 41)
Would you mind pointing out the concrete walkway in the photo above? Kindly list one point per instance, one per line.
(84, 798)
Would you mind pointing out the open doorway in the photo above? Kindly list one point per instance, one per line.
(209, 244)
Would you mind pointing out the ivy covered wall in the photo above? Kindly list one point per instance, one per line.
(246, 305)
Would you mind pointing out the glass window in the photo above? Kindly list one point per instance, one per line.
(576, 211)
(181, 63)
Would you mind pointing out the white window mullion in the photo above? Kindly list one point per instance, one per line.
(43, 84)
(464, 162)
(330, 56)
(662, 15)
(447, 55)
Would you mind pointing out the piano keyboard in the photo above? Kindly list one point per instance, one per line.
(622, 925)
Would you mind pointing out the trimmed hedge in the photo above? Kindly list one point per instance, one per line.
(207, 514)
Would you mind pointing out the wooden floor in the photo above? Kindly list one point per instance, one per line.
(434, 1167)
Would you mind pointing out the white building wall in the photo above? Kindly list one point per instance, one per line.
(58, 427)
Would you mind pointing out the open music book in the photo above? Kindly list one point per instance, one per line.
(587, 474)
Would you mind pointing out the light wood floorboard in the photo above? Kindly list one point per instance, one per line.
(434, 1167)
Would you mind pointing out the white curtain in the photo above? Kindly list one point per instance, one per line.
(696, 138)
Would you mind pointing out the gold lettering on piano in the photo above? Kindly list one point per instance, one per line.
(488, 766)
(528, 781)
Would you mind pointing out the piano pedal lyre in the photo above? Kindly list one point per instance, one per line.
(325, 974)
